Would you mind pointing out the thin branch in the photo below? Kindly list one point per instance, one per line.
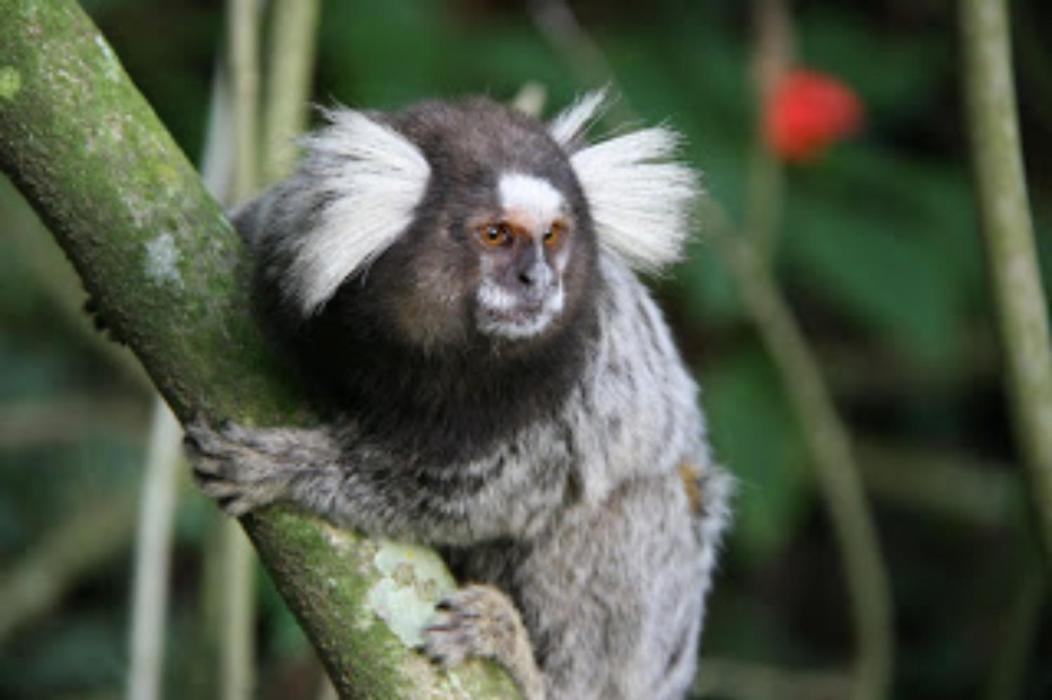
(289, 66)
(829, 444)
(237, 624)
(160, 485)
(826, 436)
(582, 54)
(950, 485)
(243, 29)
(771, 60)
(238, 614)
(1009, 236)
(68, 419)
(211, 656)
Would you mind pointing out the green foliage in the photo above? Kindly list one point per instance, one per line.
(754, 431)
(86, 652)
(892, 247)
(880, 62)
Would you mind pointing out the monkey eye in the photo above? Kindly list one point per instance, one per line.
(495, 235)
(554, 234)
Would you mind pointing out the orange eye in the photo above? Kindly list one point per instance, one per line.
(495, 235)
(554, 234)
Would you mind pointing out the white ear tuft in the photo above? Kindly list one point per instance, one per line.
(569, 126)
(641, 199)
(372, 178)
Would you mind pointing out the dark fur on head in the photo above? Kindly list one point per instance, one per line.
(396, 346)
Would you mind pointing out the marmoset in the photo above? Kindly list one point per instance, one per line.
(456, 282)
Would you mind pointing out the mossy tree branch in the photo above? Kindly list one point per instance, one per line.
(164, 266)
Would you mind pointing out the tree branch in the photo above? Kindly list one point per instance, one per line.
(290, 61)
(153, 549)
(168, 275)
(829, 445)
(1009, 235)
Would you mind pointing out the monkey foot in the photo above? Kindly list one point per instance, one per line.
(474, 621)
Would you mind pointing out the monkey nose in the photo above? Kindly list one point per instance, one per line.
(535, 275)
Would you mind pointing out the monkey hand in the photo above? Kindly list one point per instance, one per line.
(242, 468)
(480, 621)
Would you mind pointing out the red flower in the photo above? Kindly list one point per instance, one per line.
(808, 111)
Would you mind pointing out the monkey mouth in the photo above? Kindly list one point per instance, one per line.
(519, 319)
(522, 313)
(520, 322)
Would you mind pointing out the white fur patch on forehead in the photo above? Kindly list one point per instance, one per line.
(641, 199)
(375, 178)
(569, 126)
(530, 195)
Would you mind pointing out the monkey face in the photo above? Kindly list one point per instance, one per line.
(505, 263)
(523, 254)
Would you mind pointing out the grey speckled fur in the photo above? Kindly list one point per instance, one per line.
(582, 517)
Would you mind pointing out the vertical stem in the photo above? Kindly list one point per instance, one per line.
(771, 60)
(829, 444)
(1009, 235)
(217, 172)
(289, 66)
(764, 204)
(237, 673)
(153, 553)
(558, 24)
(237, 630)
(825, 435)
(243, 41)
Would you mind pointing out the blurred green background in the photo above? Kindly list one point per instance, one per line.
(878, 252)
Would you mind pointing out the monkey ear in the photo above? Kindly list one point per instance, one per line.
(365, 180)
(641, 198)
(569, 126)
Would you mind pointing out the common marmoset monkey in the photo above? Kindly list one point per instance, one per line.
(456, 281)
